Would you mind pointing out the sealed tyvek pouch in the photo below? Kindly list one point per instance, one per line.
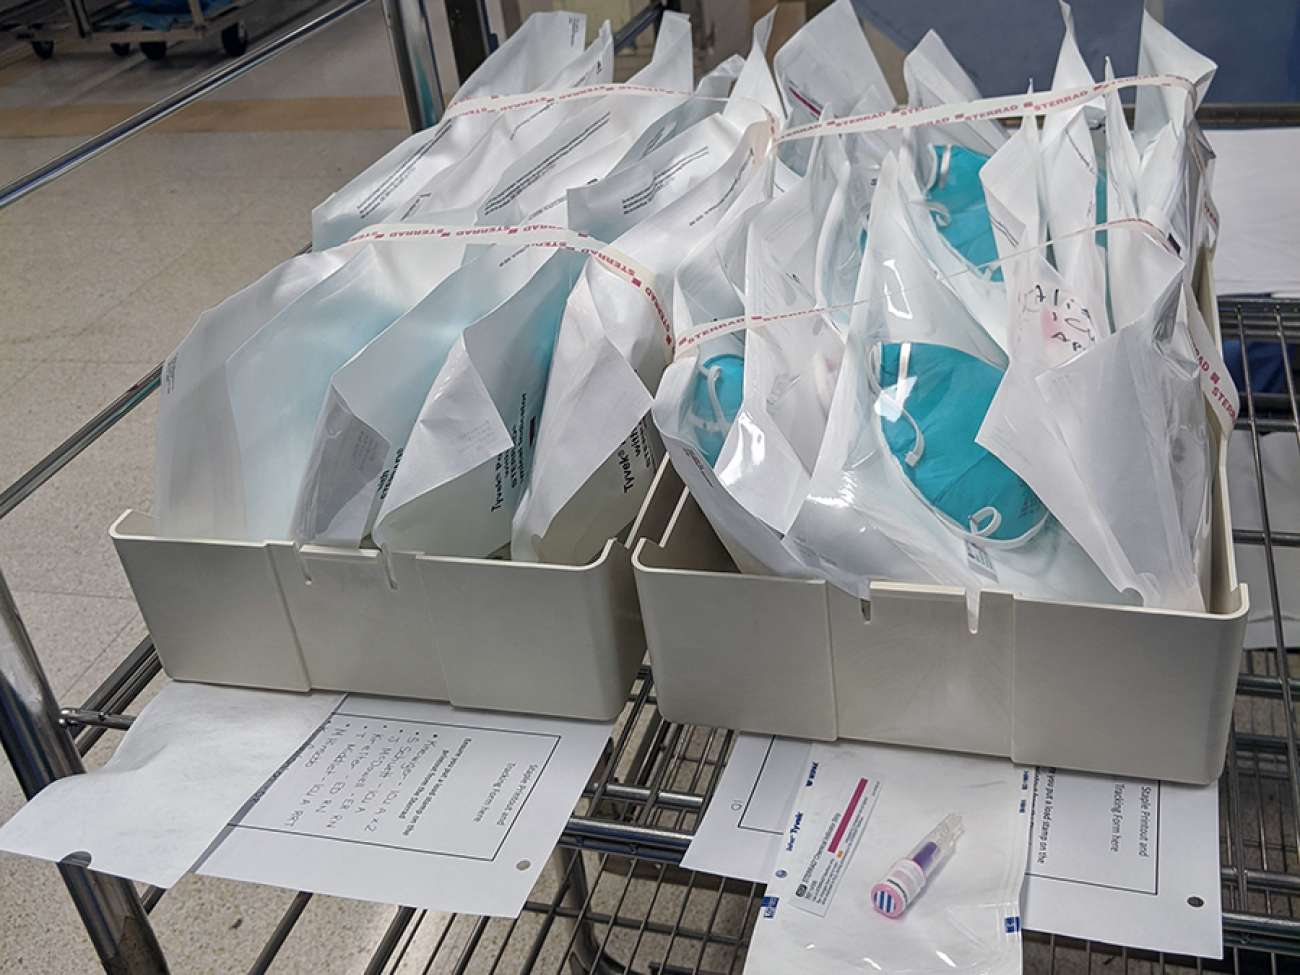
(860, 810)
(530, 58)
(611, 206)
(375, 397)
(709, 284)
(844, 232)
(467, 181)
(948, 216)
(1012, 190)
(1175, 158)
(639, 187)
(596, 451)
(901, 489)
(1069, 176)
(711, 96)
(1123, 251)
(468, 457)
(680, 403)
(1151, 487)
(278, 378)
(934, 77)
(827, 66)
(196, 495)
(587, 146)
(790, 366)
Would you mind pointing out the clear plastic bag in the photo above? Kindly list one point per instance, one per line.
(966, 919)
(901, 489)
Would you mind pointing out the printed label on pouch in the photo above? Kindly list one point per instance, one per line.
(829, 818)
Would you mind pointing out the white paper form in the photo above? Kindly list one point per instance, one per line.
(1153, 884)
(191, 759)
(415, 803)
(1128, 861)
(739, 835)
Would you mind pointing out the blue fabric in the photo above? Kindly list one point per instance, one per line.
(949, 395)
(729, 387)
(960, 192)
(1267, 364)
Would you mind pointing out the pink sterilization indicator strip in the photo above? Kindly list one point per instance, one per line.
(908, 876)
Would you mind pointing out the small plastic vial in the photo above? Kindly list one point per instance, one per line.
(908, 877)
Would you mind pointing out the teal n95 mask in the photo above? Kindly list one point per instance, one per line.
(956, 198)
(715, 400)
(932, 401)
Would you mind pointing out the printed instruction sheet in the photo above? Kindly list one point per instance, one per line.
(1125, 861)
(1129, 861)
(415, 803)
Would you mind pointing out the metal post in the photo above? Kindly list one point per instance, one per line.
(417, 67)
(467, 23)
(40, 751)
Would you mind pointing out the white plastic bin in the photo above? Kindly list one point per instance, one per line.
(479, 633)
(1120, 690)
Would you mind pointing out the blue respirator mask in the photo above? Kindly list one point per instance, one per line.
(956, 199)
(715, 401)
(932, 401)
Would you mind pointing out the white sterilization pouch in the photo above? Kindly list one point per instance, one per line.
(637, 190)
(587, 146)
(513, 134)
(375, 397)
(1070, 178)
(901, 491)
(928, 173)
(709, 284)
(468, 457)
(596, 452)
(827, 66)
(790, 366)
(530, 58)
(679, 404)
(193, 496)
(934, 77)
(860, 811)
(199, 480)
(1151, 485)
(1175, 157)
(278, 378)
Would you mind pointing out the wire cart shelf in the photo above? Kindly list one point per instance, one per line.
(614, 898)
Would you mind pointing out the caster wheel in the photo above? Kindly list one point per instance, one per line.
(154, 50)
(121, 50)
(235, 39)
(43, 49)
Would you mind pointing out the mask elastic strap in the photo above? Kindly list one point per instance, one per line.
(942, 215)
(918, 445)
(994, 521)
(719, 423)
(945, 163)
(711, 375)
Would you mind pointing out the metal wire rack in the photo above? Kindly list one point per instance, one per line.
(614, 899)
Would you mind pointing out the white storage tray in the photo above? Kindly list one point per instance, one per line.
(1122, 690)
(479, 633)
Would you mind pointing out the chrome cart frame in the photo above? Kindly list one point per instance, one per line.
(614, 898)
